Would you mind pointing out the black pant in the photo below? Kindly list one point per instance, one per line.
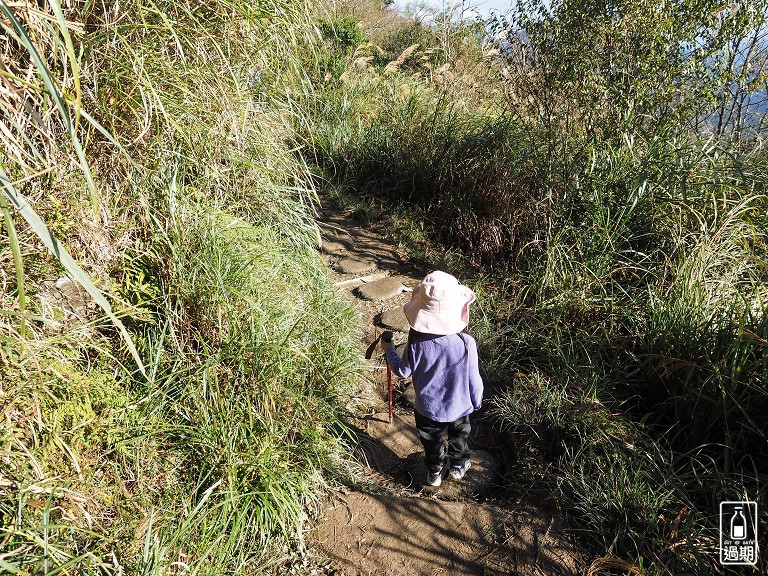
(432, 435)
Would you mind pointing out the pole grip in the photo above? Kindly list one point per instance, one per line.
(386, 336)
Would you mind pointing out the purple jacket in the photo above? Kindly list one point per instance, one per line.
(445, 374)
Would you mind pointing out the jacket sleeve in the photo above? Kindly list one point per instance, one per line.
(475, 381)
(400, 366)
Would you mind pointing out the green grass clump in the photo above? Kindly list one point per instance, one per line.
(249, 377)
(159, 146)
(58, 487)
(620, 261)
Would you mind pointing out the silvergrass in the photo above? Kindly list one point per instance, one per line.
(18, 264)
(215, 458)
(624, 311)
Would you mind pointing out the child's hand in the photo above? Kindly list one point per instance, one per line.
(386, 346)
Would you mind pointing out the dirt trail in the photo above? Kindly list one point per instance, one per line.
(406, 528)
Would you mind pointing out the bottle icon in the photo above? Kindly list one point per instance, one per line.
(738, 525)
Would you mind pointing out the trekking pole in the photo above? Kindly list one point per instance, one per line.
(386, 336)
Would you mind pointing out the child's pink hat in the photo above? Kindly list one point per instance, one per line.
(439, 305)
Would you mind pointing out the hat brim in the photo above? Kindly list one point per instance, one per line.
(448, 321)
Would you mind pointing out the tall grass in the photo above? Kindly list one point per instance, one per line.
(622, 294)
(156, 141)
(466, 169)
(248, 384)
(648, 301)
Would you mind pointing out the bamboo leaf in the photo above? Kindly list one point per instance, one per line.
(18, 263)
(66, 260)
(12, 568)
(50, 87)
(74, 64)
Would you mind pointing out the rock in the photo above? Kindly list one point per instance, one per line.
(395, 319)
(480, 480)
(65, 303)
(356, 265)
(408, 395)
(334, 239)
(335, 246)
(383, 289)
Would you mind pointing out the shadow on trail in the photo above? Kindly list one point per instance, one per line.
(375, 453)
(389, 535)
(458, 529)
(418, 534)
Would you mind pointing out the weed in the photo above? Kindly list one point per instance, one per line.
(620, 263)
(212, 460)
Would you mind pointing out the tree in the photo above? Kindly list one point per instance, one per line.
(599, 68)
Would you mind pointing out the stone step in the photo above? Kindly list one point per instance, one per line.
(355, 282)
(394, 319)
(408, 394)
(334, 240)
(380, 290)
(335, 245)
(356, 265)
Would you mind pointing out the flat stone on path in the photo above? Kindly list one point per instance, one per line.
(383, 289)
(356, 265)
(394, 319)
(334, 246)
(409, 395)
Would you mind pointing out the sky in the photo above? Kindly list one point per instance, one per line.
(484, 7)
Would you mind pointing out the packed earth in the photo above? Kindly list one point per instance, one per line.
(397, 525)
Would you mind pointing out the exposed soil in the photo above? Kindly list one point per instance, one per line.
(366, 534)
(407, 529)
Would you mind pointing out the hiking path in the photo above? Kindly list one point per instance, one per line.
(397, 526)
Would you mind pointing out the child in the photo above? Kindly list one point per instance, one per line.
(442, 361)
